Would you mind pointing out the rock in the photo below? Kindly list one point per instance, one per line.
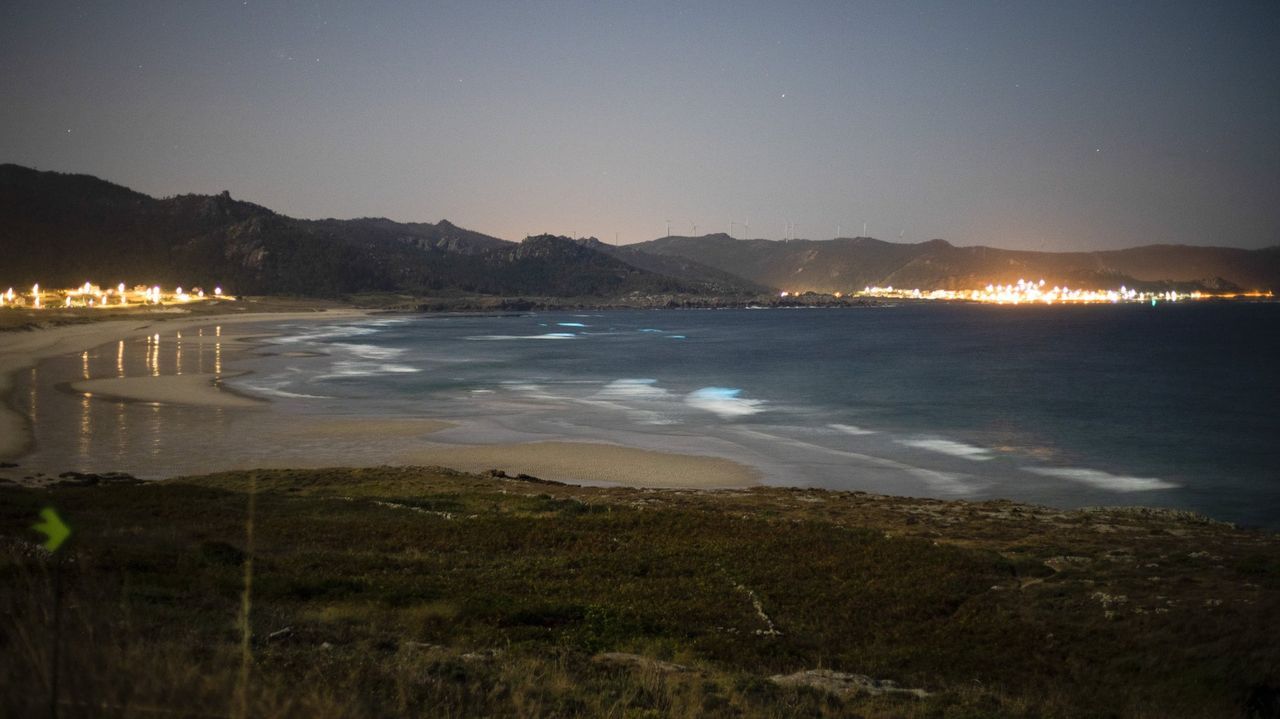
(89, 479)
(843, 684)
(638, 661)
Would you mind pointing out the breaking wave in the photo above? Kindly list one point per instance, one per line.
(946, 446)
(724, 401)
(1104, 480)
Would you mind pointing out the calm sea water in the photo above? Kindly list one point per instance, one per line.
(1173, 406)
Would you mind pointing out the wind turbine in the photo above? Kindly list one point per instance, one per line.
(668, 228)
(747, 228)
(731, 224)
(864, 228)
(694, 225)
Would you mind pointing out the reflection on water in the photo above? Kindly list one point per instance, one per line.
(153, 355)
(155, 427)
(86, 424)
(121, 428)
(33, 397)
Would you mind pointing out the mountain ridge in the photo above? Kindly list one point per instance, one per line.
(63, 228)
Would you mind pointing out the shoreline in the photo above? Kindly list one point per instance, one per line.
(330, 438)
(23, 349)
(584, 463)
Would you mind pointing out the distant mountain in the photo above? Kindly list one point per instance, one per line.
(846, 264)
(64, 229)
(709, 279)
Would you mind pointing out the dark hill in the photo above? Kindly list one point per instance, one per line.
(706, 278)
(846, 264)
(64, 229)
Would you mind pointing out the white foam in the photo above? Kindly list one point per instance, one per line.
(633, 389)
(850, 429)
(948, 482)
(1104, 480)
(946, 446)
(529, 389)
(570, 324)
(327, 332)
(724, 401)
(371, 351)
(365, 369)
(276, 391)
(548, 336)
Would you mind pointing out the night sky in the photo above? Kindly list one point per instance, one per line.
(1037, 125)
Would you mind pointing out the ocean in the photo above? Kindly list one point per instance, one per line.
(1170, 406)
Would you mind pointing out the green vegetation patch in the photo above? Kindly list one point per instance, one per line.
(393, 591)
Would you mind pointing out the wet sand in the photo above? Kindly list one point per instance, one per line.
(190, 389)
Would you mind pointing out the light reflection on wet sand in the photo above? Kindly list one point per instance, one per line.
(82, 432)
(92, 432)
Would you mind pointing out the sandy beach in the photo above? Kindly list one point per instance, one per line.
(22, 349)
(592, 463)
(277, 439)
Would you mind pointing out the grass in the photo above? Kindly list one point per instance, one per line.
(420, 591)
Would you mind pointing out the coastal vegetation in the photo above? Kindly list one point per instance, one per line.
(423, 591)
